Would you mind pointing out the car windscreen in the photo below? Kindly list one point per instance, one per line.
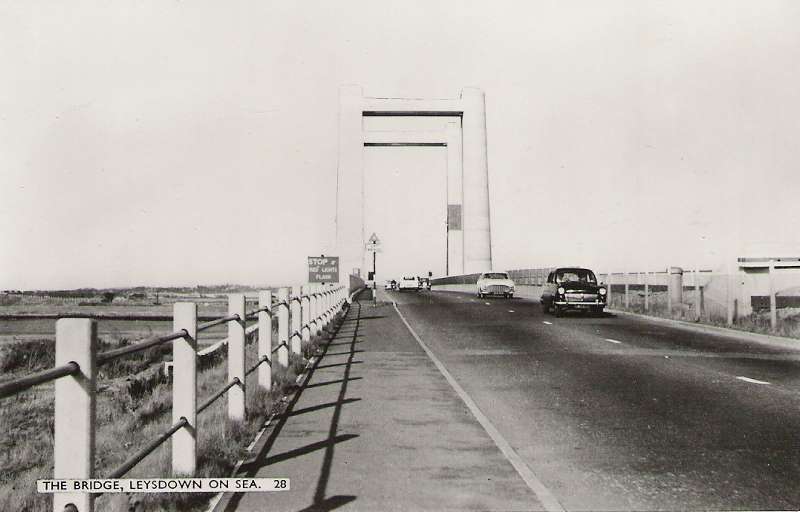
(576, 275)
(495, 275)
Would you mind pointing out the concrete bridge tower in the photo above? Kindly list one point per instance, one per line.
(469, 230)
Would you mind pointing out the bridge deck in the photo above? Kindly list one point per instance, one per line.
(379, 428)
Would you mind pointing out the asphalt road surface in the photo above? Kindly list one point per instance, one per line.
(616, 413)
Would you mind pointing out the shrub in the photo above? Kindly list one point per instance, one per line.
(27, 356)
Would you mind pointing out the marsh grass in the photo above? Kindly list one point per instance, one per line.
(127, 420)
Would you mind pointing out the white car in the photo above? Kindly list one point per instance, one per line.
(495, 283)
(408, 283)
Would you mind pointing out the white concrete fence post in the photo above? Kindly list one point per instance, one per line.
(73, 457)
(236, 394)
(313, 310)
(283, 327)
(320, 308)
(306, 307)
(773, 300)
(297, 319)
(184, 389)
(729, 295)
(325, 306)
(265, 339)
(627, 277)
(675, 288)
(697, 298)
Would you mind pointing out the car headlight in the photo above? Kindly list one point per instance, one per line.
(561, 290)
(601, 291)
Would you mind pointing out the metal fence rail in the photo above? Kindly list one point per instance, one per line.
(307, 311)
(218, 394)
(15, 386)
(137, 457)
(110, 355)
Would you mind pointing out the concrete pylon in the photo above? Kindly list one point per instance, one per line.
(350, 183)
(477, 231)
(455, 200)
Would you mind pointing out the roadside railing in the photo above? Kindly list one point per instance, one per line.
(301, 314)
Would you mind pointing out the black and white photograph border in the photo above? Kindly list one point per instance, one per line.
(373, 255)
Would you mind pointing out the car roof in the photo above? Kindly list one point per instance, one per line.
(559, 269)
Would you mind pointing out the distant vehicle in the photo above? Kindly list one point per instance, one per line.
(390, 285)
(573, 288)
(408, 283)
(424, 283)
(495, 283)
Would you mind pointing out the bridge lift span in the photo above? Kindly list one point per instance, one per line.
(468, 227)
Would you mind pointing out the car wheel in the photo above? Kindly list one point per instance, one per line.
(558, 311)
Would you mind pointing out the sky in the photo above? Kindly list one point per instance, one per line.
(180, 143)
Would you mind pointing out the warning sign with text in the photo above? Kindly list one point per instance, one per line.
(323, 269)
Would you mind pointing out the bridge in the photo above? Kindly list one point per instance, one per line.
(681, 395)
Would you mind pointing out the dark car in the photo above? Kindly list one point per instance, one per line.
(573, 288)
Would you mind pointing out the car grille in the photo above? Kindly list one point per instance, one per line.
(581, 297)
(497, 288)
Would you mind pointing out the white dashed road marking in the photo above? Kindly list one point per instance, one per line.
(753, 381)
(488, 303)
(547, 323)
(613, 341)
(510, 310)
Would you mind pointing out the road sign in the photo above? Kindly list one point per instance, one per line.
(323, 269)
(374, 244)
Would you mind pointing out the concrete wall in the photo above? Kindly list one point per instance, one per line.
(355, 283)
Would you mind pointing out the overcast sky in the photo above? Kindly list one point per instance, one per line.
(196, 142)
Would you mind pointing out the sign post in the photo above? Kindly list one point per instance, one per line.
(323, 269)
(374, 246)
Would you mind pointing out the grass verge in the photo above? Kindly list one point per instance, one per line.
(788, 324)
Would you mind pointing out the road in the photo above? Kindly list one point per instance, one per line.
(618, 413)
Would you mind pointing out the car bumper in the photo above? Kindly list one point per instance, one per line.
(575, 304)
(496, 290)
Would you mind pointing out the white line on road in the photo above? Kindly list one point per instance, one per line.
(613, 341)
(488, 303)
(753, 381)
(510, 310)
(547, 323)
(543, 494)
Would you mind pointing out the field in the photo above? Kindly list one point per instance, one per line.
(130, 412)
